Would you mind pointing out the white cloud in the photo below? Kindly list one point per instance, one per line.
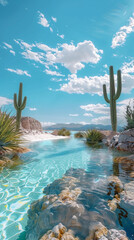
(36, 56)
(61, 36)
(120, 37)
(105, 120)
(128, 67)
(73, 58)
(51, 30)
(46, 124)
(24, 45)
(103, 109)
(19, 72)
(54, 19)
(42, 20)
(54, 73)
(96, 108)
(105, 66)
(3, 2)
(73, 115)
(13, 52)
(8, 45)
(5, 101)
(93, 85)
(88, 115)
(32, 109)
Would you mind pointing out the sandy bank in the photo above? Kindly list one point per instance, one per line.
(35, 137)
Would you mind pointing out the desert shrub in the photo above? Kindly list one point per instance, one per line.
(63, 132)
(93, 136)
(129, 115)
(9, 136)
(78, 135)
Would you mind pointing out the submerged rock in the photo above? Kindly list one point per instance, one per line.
(128, 193)
(72, 203)
(59, 232)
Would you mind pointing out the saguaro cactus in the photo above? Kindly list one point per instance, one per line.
(19, 106)
(113, 96)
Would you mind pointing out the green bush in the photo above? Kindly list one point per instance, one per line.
(9, 137)
(78, 135)
(93, 136)
(63, 132)
(129, 115)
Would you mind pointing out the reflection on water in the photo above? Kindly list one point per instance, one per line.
(48, 161)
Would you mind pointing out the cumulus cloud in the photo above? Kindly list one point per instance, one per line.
(104, 111)
(73, 115)
(19, 72)
(32, 109)
(3, 2)
(93, 85)
(96, 108)
(73, 57)
(120, 37)
(54, 19)
(70, 56)
(42, 20)
(88, 115)
(5, 101)
(54, 73)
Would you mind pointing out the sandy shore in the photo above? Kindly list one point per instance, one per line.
(36, 137)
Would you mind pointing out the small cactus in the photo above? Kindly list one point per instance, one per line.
(113, 96)
(19, 106)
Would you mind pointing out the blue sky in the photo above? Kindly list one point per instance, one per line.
(61, 50)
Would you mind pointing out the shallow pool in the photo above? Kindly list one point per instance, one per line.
(48, 161)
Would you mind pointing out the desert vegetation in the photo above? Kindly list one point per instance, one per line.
(63, 132)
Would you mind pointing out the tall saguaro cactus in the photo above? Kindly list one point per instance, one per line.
(113, 96)
(19, 106)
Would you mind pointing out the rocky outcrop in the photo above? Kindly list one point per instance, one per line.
(29, 125)
(124, 141)
(71, 209)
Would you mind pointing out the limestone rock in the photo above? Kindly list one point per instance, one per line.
(29, 124)
(59, 232)
(124, 141)
(73, 202)
(129, 193)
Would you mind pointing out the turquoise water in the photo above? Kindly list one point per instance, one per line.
(48, 161)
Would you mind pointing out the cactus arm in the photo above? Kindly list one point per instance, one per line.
(24, 103)
(119, 85)
(105, 94)
(15, 101)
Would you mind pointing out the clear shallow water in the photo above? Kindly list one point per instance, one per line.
(48, 161)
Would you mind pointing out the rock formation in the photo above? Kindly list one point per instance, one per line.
(123, 141)
(70, 209)
(29, 125)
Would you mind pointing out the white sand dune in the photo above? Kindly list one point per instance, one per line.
(35, 137)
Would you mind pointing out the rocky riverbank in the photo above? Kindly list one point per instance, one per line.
(71, 209)
(123, 141)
